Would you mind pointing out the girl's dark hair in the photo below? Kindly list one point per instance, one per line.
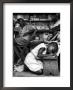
(52, 48)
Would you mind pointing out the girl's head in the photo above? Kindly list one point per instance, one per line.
(52, 48)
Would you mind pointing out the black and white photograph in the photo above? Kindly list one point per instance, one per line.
(36, 44)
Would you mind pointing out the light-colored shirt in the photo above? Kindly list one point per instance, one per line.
(30, 60)
(36, 49)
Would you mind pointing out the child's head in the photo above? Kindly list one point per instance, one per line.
(52, 48)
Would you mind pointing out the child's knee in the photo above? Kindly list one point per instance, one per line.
(39, 72)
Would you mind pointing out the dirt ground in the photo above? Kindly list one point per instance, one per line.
(25, 74)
